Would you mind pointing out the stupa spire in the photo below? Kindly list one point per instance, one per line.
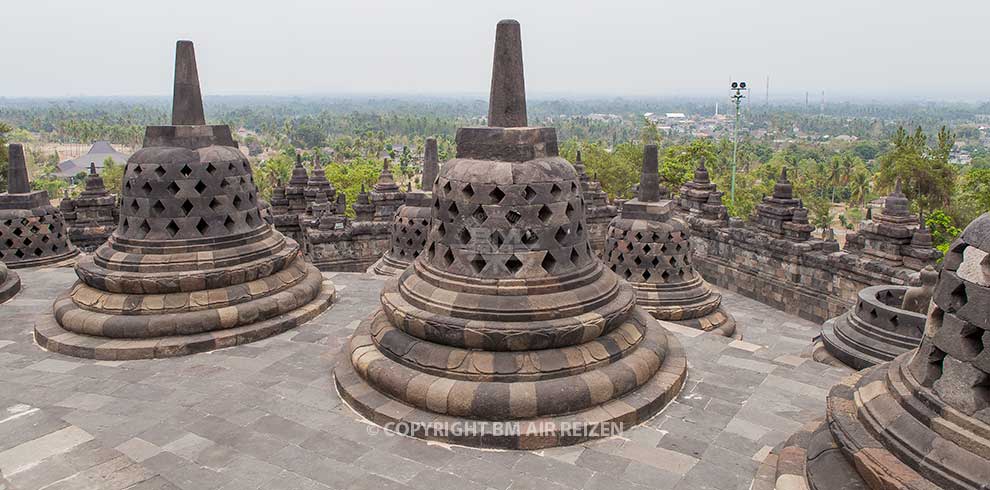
(649, 179)
(17, 175)
(187, 100)
(431, 161)
(507, 101)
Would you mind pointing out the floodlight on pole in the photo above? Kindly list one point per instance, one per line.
(737, 93)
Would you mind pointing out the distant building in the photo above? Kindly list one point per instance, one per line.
(100, 151)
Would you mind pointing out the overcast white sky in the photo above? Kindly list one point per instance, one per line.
(860, 48)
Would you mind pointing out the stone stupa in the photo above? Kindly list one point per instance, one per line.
(896, 237)
(32, 231)
(10, 283)
(650, 247)
(700, 197)
(411, 224)
(598, 212)
(192, 266)
(386, 196)
(92, 216)
(320, 193)
(921, 421)
(877, 329)
(781, 215)
(507, 331)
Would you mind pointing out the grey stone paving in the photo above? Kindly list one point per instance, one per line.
(266, 415)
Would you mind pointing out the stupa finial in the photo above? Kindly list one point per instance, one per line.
(187, 100)
(431, 162)
(17, 175)
(507, 101)
(92, 168)
(649, 179)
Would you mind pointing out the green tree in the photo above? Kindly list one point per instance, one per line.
(859, 185)
(942, 228)
(820, 211)
(679, 161)
(348, 177)
(927, 178)
(271, 172)
(113, 175)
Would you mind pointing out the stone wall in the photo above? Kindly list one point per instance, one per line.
(811, 279)
(352, 248)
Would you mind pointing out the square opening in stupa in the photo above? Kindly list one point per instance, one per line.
(494, 299)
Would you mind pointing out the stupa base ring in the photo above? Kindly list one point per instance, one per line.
(52, 337)
(10, 287)
(65, 259)
(717, 322)
(851, 351)
(388, 267)
(883, 430)
(602, 420)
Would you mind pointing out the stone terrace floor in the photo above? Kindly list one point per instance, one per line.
(266, 415)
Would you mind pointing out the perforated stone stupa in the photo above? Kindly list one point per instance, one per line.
(32, 231)
(412, 221)
(879, 328)
(10, 283)
(922, 420)
(507, 331)
(191, 266)
(92, 216)
(651, 248)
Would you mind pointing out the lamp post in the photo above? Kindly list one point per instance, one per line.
(737, 93)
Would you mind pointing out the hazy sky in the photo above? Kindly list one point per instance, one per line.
(867, 48)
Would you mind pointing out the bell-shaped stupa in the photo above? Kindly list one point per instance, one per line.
(650, 247)
(192, 266)
(411, 224)
(32, 231)
(507, 331)
(921, 421)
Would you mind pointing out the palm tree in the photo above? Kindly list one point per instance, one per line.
(859, 185)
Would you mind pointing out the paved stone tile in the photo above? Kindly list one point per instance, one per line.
(266, 415)
(54, 366)
(650, 476)
(139, 449)
(565, 474)
(390, 466)
(189, 446)
(116, 474)
(600, 462)
(23, 456)
(85, 401)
